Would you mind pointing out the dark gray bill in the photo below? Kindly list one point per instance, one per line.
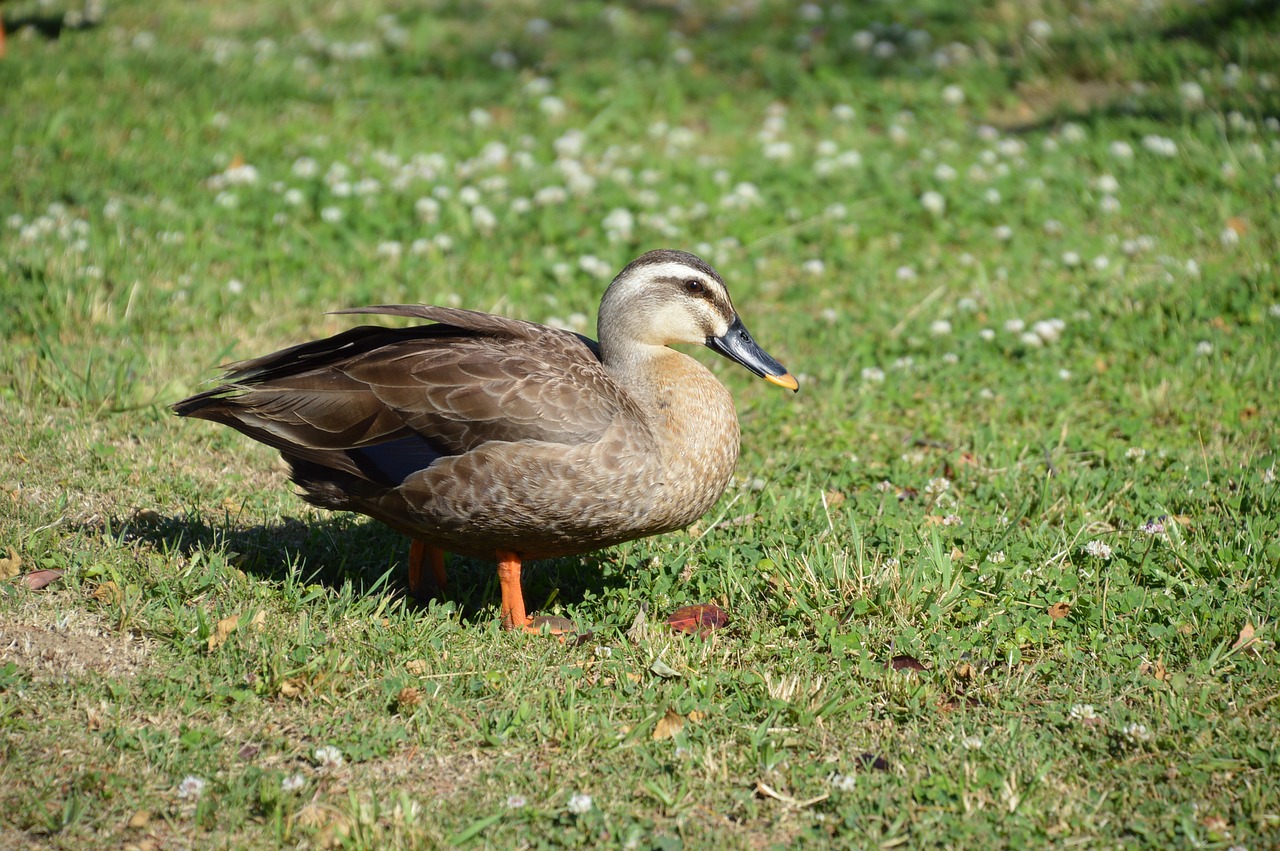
(737, 345)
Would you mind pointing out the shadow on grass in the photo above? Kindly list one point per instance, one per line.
(340, 549)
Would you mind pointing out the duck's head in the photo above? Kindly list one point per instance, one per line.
(668, 297)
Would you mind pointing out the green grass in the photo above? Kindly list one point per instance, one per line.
(938, 488)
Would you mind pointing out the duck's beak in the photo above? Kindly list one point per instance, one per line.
(737, 345)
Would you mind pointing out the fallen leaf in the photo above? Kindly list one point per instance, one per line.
(964, 671)
(1058, 611)
(223, 631)
(702, 619)
(139, 820)
(695, 716)
(1245, 639)
(639, 629)
(957, 555)
(664, 670)
(1156, 669)
(834, 498)
(870, 760)
(11, 566)
(668, 725)
(1238, 225)
(903, 662)
(38, 579)
(259, 620)
(107, 592)
(292, 687)
(933, 520)
(248, 752)
(417, 667)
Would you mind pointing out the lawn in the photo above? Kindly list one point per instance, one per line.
(1004, 573)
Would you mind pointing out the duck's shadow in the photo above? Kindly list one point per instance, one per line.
(337, 550)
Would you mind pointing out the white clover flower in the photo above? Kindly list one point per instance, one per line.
(1192, 94)
(844, 782)
(552, 106)
(294, 197)
(991, 196)
(1098, 549)
(191, 788)
(480, 117)
(328, 756)
(940, 328)
(1083, 712)
(503, 59)
(1073, 133)
(996, 557)
(953, 95)
(952, 520)
(987, 334)
(292, 783)
(944, 173)
(1121, 150)
(1004, 233)
(620, 223)
(332, 215)
(593, 265)
(1101, 262)
(873, 375)
(1053, 227)
(1109, 205)
(1204, 347)
(235, 287)
(1014, 326)
(580, 804)
(1153, 527)
(484, 219)
(1039, 29)
(1229, 237)
(1071, 259)
(1136, 733)
(933, 202)
(389, 249)
(1274, 310)
(937, 486)
(905, 273)
(1160, 145)
(515, 802)
(843, 112)
(814, 266)
(778, 151)
(1136, 453)
(971, 743)
(1048, 330)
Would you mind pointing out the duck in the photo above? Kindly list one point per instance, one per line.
(506, 440)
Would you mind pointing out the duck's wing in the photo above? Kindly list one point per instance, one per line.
(383, 402)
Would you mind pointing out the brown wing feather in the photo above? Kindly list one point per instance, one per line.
(472, 379)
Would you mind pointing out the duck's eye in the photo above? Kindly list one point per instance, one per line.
(694, 287)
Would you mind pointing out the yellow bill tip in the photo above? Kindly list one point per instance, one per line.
(786, 380)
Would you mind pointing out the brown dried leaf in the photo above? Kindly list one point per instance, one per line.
(834, 498)
(1156, 670)
(223, 631)
(108, 592)
(417, 667)
(38, 579)
(903, 662)
(964, 671)
(957, 555)
(259, 620)
(668, 725)
(1245, 639)
(139, 820)
(695, 716)
(11, 566)
(1058, 611)
(639, 628)
(701, 619)
(292, 687)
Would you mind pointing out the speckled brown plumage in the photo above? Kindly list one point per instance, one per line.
(483, 435)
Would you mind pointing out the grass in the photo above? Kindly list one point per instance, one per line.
(991, 582)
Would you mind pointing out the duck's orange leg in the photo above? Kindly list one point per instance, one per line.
(419, 586)
(514, 615)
